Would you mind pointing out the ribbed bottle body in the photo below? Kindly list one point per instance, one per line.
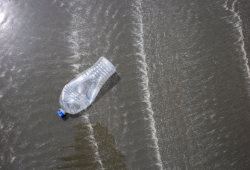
(80, 92)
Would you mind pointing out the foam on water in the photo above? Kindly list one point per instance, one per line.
(238, 27)
(108, 9)
(92, 139)
(12, 158)
(225, 5)
(76, 66)
(54, 1)
(2, 159)
(125, 123)
(1, 125)
(139, 42)
(114, 15)
(2, 74)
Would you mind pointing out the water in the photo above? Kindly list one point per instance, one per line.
(180, 99)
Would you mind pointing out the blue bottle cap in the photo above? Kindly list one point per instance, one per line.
(60, 113)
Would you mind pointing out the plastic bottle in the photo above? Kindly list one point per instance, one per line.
(80, 92)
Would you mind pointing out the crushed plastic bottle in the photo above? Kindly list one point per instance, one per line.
(80, 92)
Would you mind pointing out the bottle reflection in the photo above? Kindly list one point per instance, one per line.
(85, 156)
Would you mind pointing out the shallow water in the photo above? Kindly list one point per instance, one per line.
(179, 100)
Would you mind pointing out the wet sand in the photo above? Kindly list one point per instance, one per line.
(179, 99)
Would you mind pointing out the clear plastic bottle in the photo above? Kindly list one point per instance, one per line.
(80, 92)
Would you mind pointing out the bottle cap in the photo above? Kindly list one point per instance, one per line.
(60, 113)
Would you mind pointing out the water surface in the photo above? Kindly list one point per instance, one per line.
(179, 100)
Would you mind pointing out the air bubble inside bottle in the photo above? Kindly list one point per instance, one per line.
(80, 92)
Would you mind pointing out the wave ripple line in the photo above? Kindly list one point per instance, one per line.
(139, 42)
